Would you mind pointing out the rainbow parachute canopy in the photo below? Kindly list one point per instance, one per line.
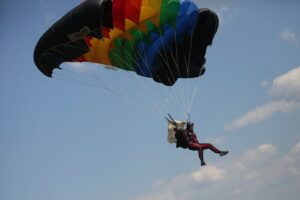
(161, 39)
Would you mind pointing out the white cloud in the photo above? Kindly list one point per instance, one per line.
(296, 149)
(253, 157)
(255, 174)
(266, 148)
(286, 93)
(263, 112)
(223, 8)
(209, 173)
(287, 85)
(294, 156)
(289, 36)
(223, 13)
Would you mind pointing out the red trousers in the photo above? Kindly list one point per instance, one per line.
(202, 146)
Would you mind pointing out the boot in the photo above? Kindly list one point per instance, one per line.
(223, 153)
(203, 163)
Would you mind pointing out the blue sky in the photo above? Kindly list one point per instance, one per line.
(67, 140)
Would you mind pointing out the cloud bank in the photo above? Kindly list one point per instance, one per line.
(258, 173)
(285, 92)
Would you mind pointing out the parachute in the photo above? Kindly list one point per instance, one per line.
(159, 39)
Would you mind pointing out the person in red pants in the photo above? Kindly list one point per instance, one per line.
(186, 138)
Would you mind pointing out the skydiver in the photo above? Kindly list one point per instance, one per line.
(186, 138)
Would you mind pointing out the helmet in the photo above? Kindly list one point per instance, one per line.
(189, 124)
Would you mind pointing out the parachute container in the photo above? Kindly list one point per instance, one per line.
(171, 133)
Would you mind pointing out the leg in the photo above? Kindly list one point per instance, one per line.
(213, 148)
(209, 146)
(197, 147)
